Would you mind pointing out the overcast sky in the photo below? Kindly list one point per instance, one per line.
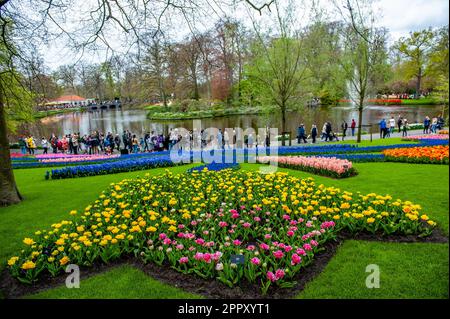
(399, 16)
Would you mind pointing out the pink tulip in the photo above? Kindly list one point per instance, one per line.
(278, 254)
(271, 276)
(279, 274)
(296, 259)
(255, 261)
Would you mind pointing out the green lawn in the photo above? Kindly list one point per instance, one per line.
(407, 270)
(114, 284)
(422, 268)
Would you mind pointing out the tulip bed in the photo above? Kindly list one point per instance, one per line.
(421, 155)
(360, 158)
(198, 223)
(214, 167)
(110, 168)
(325, 166)
(426, 137)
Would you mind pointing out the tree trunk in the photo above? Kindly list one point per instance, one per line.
(196, 93)
(360, 113)
(418, 84)
(283, 125)
(9, 193)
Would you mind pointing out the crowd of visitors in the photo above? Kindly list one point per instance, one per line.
(327, 133)
(402, 124)
(97, 142)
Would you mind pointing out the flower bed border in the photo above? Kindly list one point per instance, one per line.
(12, 288)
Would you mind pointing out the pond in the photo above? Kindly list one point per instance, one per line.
(116, 121)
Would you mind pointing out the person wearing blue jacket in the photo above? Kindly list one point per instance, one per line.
(382, 125)
(301, 134)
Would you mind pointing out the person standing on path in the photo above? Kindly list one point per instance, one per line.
(426, 125)
(353, 126)
(382, 125)
(344, 127)
(301, 134)
(75, 143)
(44, 144)
(399, 123)
(391, 125)
(314, 133)
(226, 139)
(22, 145)
(405, 127)
(328, 130)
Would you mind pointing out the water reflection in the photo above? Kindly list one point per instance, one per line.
(117, 121)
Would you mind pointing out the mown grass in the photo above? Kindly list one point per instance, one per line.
(407, 270)
(47, 202)
(122, 281)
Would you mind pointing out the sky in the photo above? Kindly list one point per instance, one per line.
(399, 16)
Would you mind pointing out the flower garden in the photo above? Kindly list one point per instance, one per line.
(229, 224)
(277, 222)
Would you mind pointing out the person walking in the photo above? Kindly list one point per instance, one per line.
(75, 143)
(405, 127)
(250, 141)
(31, 144)
(219, 139)
(434, 124)
(44, 144)
(391, 125)
(135, 143)
(314, 133)
(301, 134)
(399, 123)
(353, 126)
(344, 127)
(382, 126)
(22, 145)
(324, 131)
(426, 125)
(54, 143)
(328, 130)
(226, 138)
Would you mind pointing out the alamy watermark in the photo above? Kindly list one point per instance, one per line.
(373, 279)
(73, 280)
(232, 145)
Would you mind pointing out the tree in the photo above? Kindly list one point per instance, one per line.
(327, 81)
(416, 50)
(67, 74)
(15, 104)
(278, 65)
(155, 66)
(364, 50)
